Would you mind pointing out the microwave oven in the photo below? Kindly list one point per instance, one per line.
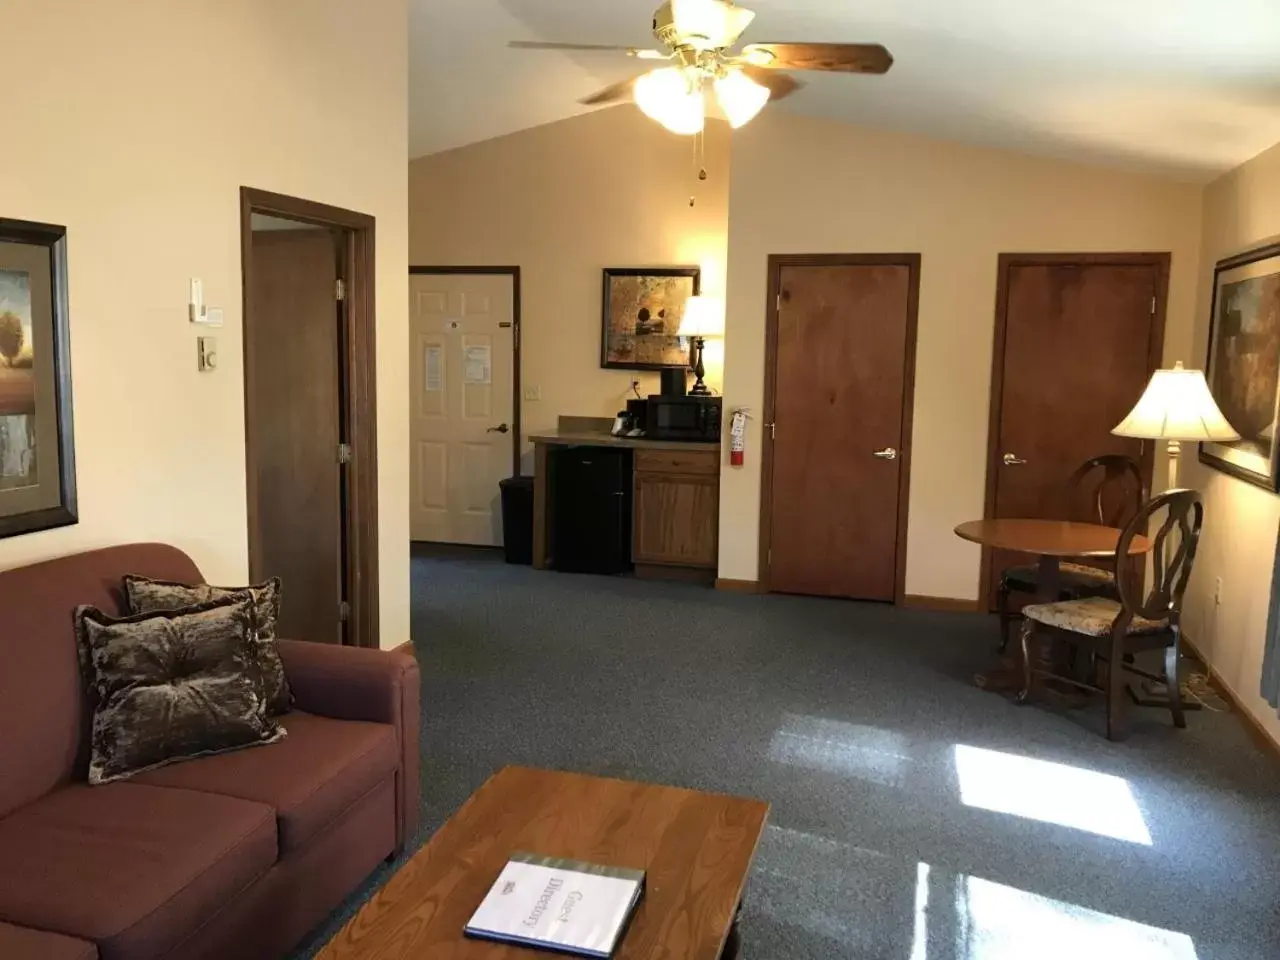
(689, 417)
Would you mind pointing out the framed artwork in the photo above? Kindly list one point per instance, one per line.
(1243, 368)
(37, 459)
(642, 311)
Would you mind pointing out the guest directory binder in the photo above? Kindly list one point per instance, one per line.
(554, 904)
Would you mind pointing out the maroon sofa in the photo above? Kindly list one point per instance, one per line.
(230, 856)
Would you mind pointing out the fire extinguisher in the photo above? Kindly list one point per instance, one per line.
(738, 436)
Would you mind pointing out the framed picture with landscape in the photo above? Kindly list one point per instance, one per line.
(1243, 367)
(37, 461)
(641, 315)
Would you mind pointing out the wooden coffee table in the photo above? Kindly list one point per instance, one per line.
(695, 848)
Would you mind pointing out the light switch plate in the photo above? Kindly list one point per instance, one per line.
(533, 393)
(195, 305)
(212, 317)
(207, 354)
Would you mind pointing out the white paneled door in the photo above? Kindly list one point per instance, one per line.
(461, 339)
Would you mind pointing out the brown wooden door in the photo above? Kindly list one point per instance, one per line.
(1077, 339)
(294, 416)
(842, 348)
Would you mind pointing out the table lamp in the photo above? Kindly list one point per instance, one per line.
(703, 317)
(1176, 406)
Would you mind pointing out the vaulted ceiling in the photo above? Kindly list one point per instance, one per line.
(1186, 88)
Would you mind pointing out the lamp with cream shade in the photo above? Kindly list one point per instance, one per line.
(1176, 406)
(703, 317)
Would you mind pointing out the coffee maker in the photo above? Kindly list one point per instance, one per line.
(675, 381)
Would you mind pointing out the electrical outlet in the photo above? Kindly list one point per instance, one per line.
(1217, 592)
(533, 393)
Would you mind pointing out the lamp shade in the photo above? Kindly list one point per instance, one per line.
(703, 317)
(673, 98)
(740, 97)
(1176, 405)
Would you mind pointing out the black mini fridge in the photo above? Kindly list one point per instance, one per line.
(591, 509)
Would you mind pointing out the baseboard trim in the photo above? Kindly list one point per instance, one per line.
(662, 571)
(1258, 731)
(941, 604)
(738, 586)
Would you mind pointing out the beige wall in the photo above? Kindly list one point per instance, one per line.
(135, 124)
(800, 185)
(563, 201)
(1241, 521)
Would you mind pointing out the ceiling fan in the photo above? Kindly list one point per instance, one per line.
(698, 36)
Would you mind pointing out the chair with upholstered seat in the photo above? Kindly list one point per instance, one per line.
(1106, 490)
(1115, 630)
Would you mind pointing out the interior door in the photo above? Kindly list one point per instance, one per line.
(294, 418)
(841, 428)
(1078, 342)
(461, 382)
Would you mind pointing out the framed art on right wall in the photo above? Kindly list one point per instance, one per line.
(1243, 367)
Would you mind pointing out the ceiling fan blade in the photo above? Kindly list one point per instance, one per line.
(629, 51)
(780, 85)
(614, 93)
(835, 57)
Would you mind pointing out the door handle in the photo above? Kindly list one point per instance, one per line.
(1013, 460)
(888, 453)
(500, 428)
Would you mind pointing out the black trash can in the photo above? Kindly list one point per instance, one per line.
(517, 518)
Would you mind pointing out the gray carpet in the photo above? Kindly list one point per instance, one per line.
(914, 817)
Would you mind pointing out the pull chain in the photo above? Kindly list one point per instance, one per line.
(699, 160)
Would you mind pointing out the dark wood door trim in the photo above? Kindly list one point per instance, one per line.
(775, 265)
(514, 273)
(1155, 352)
(359, 390)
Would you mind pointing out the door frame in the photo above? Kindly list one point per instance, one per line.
(359, 420)
(1155, 353)
(776, 262)
(514, 274)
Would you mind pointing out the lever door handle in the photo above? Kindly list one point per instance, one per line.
(888, 453)
(500, 428)
(1013, 460)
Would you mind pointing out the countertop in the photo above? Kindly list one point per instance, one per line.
(586, 438)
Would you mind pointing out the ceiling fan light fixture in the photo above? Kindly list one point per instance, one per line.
(740, 97)
(709, 24)
(672, 98)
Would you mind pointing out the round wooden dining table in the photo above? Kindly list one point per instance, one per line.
(1051, 541)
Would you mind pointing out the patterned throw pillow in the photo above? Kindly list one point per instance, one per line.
(145, 595)
(171, 685)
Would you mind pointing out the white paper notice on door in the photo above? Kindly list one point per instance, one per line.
(476, 365)
(435, 372)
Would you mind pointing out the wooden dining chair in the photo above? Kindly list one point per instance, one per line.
(1114, 630)
(1111, 490)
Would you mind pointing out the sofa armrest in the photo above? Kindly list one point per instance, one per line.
(378, 686)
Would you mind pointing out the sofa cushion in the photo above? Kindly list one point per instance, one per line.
(133, 868)
(310, 777)
(22, 943)
(172, 684)
(42, 711)
(146, 595)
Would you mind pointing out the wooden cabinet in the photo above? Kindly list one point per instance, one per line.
(678, 461)
(676, 506)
